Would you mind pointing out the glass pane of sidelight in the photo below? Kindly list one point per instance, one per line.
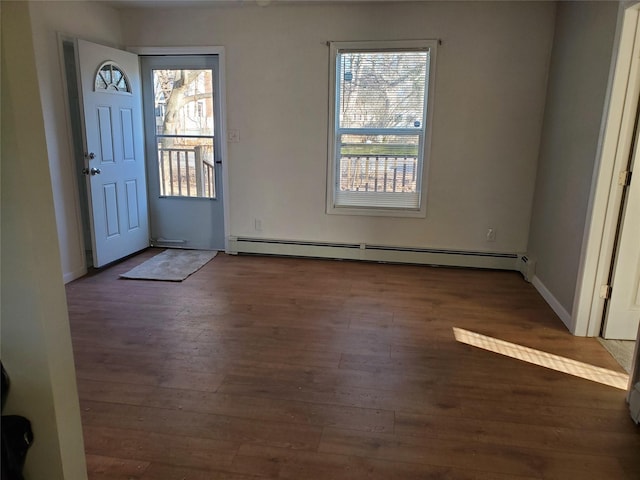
(186, 167)
(183, 101)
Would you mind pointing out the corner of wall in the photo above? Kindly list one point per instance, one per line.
(36, 341)
(553, 302)
(71, 276)
(566, 165)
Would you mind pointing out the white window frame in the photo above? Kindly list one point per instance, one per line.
(425, 140)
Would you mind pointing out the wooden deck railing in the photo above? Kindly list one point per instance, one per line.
(186, 172)
(378, 173)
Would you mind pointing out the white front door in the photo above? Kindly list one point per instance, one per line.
(623, 310)
(114, 141)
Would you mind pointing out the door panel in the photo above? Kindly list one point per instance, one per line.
(182, 115)
(111, 209)
(131, 187)
(623, 310)
(126, 122)
(105, 130)
(114, 140)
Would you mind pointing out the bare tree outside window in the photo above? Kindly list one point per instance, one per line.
(382, 89)
(175, 92)
(380, 121)
(184, 118)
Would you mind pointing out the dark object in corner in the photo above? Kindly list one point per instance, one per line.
(16, 440)
(5, 385)
(17, 437)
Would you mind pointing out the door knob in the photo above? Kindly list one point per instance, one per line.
(90, 156)
(95, 171)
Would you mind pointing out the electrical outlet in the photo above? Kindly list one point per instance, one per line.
(491, 234)
(257, 225)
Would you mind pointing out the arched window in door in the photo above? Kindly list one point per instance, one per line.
(110, 77)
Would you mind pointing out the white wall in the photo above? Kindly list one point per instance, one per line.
(36, 343)
(490, 91)
(90, 21)
(578, 80)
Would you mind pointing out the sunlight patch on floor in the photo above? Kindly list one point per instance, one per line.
(543, 359)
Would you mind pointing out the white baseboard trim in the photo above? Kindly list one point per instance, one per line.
(71, 276)
(374, 253)
(553, 302)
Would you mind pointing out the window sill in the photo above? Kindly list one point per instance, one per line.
(377, 212)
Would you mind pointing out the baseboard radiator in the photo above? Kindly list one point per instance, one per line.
(375, 253)
(527, 267)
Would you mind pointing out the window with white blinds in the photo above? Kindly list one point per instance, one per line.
(380, 106)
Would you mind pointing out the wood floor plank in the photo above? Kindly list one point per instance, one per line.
(503, 459)
(232, 430)
(115, 392)
(412, 400)
(102, 467)
(138, 445)
(532, 435)
(160, 471)
(264, 367)
(279, 410)
(286, 464)
(256, 408)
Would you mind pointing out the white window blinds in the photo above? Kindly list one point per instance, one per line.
(382, 89)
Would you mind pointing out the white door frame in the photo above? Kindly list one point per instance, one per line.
(71, 140)
(605, 199)
(207, 50)
(621, 109)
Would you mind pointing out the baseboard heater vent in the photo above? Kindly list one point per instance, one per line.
(374, 253)
(527, 267)
(168, 242)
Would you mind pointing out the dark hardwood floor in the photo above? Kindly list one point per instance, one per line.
(301, 369)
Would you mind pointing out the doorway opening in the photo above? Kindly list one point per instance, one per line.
(621, 350)
(610, 263)
(620, 320)
(199, 192)
(182, 114)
